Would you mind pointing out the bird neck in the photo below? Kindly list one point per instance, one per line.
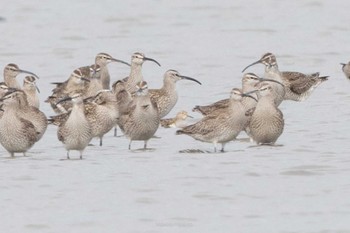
(11, 82)
(135, 73)
(105, 77)
(169, 84)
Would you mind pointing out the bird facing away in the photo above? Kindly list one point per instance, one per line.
(10, 73)
(249, 80)
(222, 125)
(31, 90)
(135, 77)
(123, 98)
(166, 97)
(141, 120)
(95, 85)
(18, 133)
(272, 72)
(266, 123)
(75, 132)
(346, 69)
(177, 122)
(75, 83)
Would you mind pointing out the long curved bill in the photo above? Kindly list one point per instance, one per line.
(63, 100)
(28, 72)
(249, 96)
(120, 61)
(271, 80)
(254, 63)
(191, 79)
(151, 59)
(36, 87)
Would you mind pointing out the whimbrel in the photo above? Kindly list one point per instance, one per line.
(27, 112)
(297, 86)
(75, 132)
(222, 125)
(166, 97)
(31, 90)
(266, 123)
(10, 73)
(177, 122)
(102, 60)
(17, 135)
(135, 77)
(141, 120)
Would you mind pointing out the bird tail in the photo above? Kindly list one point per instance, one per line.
(178, 132)
(197, 108)
(323, 78)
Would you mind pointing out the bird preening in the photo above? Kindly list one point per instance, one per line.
(87, 106)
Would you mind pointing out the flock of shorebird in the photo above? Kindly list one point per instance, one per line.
(87, 107)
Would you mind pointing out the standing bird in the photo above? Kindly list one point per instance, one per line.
(21, 125)
(166, 97)
(141, 120)
(31, 90)
(346, 69)
(222, 125)
(75, 132)
(266, 123)
(177, 122)
(10, 73)
(135, 77)
(30, 113)
(297, 86)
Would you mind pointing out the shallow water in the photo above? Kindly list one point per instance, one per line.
(300, 186)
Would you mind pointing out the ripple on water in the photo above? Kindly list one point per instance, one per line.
(308, 170)
(36, 226)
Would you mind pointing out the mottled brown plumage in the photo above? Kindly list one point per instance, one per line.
(266, 122)
(141, 120)
(20, 123)
(222, 125)
(100, 111)
(75, 132)
(299, 86)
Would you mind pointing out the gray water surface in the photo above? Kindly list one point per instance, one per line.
(302, 185)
